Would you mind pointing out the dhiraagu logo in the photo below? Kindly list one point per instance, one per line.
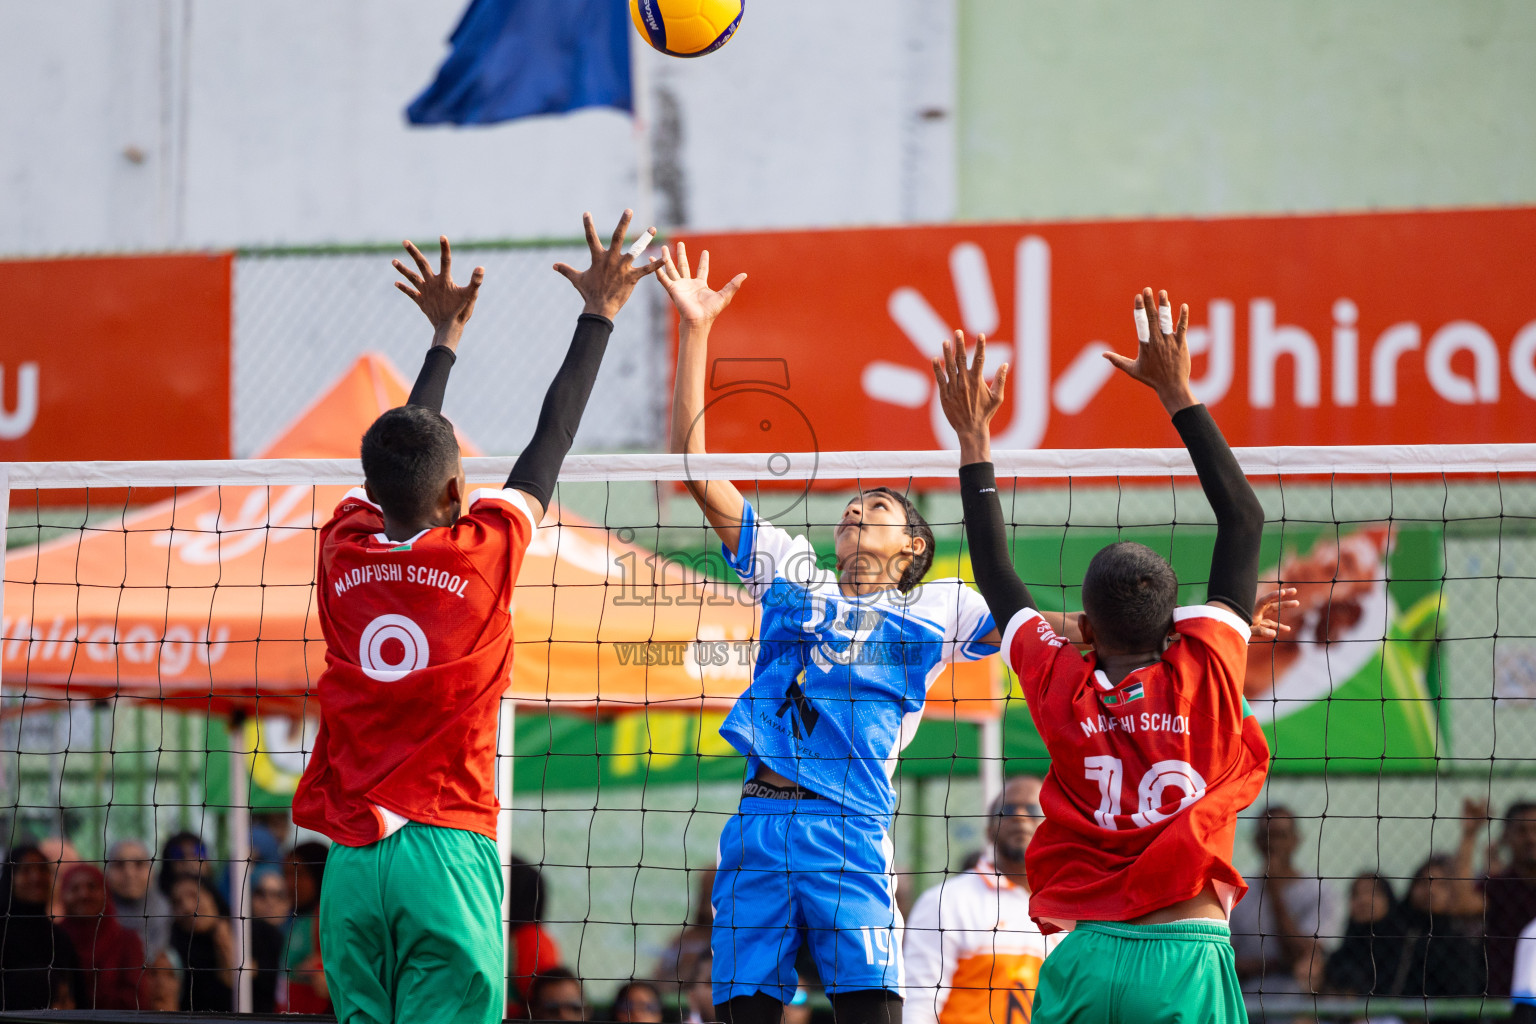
(1029, 352)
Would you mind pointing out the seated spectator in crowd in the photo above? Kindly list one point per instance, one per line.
(1509, 893)
(307, 990)
(699, 991)
(111, 956)
(60, 853)
(269, 926)
(1289, 921)
(269, 834)
(798, 1009)
(1441, 952)
(534, 951)
(972, 953)
(183, 856)
(38, 966)
(161, 983)
(140, 907)
(202, 936)
(637, 1002)
(1365, 964)
(556, 995)
(675, 966)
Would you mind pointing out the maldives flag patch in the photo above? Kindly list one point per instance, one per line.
(1133, 692)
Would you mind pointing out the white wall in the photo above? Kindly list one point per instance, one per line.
(155, 124)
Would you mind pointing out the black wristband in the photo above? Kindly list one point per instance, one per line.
(432, 383)
(538, 467)
(1234, 577)
(999, 584)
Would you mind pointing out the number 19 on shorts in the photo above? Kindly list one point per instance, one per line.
(881, 941)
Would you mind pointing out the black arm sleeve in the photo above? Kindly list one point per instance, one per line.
(999, 584)
(539, 465)
(1239, 516)
(432, 382)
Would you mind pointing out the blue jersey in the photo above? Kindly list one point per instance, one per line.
(840, 681)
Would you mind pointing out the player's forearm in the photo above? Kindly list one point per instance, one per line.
(432, 382)
(1234, 576)
(538, 466)
(999, 584)
(687, 427)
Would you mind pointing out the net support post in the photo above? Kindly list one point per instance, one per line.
(991, 760)
(240, 863)
(506, 747)
(5, 495)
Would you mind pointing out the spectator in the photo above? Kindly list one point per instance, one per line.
(973, 954)
(111, 956)
(637, 1002)
(556, 995)
(675, 967)
(160, 986)
(1284, 927)
(269, 833)
(698, 989)
(1440, 953)
(534, 951)
(183, 856)
(1365, 963)
(1509, 902)
(37, 960)
(798, 1009)
(60, 853)
(201, 935)
(140, 908)
(269, 923)
(307, 989)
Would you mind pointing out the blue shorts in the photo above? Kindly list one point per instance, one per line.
(794, 871)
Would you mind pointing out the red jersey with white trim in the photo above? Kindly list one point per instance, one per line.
(1147, 777)
(418, 638)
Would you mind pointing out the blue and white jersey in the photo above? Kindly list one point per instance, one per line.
(840, 681)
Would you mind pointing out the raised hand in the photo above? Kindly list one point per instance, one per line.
(968, 403)
(697, 305)
(608, 283)
(1162, 357)
(1266, 614)
(447, 305)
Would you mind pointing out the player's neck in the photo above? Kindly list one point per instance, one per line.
(396, 530)
(1118, 666)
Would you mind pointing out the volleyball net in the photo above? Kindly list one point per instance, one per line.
(161, 652)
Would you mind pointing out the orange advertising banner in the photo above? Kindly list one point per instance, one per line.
(115, 358)
(1397, 328)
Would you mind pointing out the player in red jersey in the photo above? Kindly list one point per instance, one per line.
(414, 590)
(1153, 749)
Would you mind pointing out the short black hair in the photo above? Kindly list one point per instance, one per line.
(1129, 594)
(407, 454)
(917, 527)
(1519, 809)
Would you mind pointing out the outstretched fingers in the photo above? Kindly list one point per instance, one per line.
(594, 244)
(412, 293)
(420, 260)
(445, 257)
(732, 287)
(682, 260)
(618, 232)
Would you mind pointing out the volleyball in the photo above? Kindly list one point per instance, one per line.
(687, 28)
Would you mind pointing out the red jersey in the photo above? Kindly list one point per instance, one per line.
(418, 637)
(1147, 776)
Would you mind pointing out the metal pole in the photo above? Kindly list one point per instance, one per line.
(240, 862)
(991, 760)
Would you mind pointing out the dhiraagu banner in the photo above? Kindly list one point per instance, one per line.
(1354, 686)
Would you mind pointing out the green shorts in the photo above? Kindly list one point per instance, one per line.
(410, 929)
(1152, 973)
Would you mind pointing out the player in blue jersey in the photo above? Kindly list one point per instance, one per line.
(844, 664)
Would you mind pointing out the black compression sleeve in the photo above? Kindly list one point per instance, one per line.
(538, 467)
(999, 584)
(1239, 516)
(432, 382)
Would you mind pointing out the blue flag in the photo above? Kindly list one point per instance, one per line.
(518, 58)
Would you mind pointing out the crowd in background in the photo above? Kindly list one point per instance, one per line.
(155, 932)
(141, 932)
